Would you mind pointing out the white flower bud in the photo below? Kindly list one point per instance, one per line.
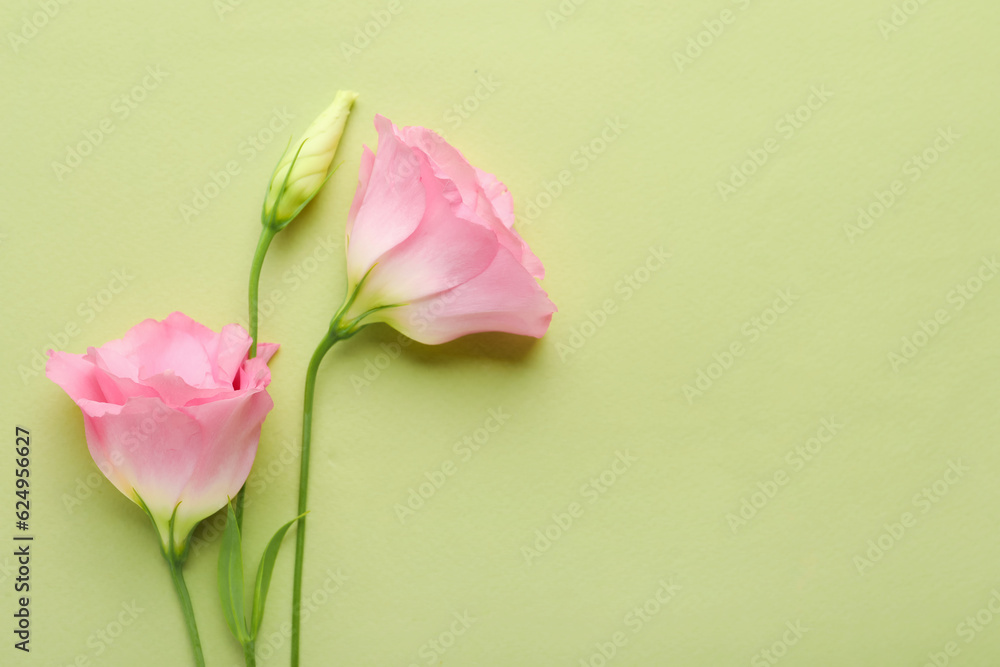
(305, 166)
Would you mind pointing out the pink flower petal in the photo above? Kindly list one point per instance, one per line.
(148, 447)
(392, 206)
(172, 413)
(445, 251)
(364, 176)
(117, 375)
(220, 471)
(504, 297)
(461, 268)
(228, 350)
(266, 350)
(177, 344)
(484, 199)
(75, 374)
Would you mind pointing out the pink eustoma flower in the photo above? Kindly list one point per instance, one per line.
(430, 241)
(172, 413)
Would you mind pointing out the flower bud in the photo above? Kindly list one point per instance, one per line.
(305, 166)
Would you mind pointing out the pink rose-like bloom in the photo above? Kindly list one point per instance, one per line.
(435, 238)
(173, 413)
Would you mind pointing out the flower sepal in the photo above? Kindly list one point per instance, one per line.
(174, 551)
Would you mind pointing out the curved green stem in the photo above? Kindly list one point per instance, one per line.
(266, 235)
(185, 598)
(332, 336)
(338, 331)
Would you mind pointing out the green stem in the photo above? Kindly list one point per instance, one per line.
(250, 653)
(300, 535)
(338, 331)
(185, 599)
(266, 235)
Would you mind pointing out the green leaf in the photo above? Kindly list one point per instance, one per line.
(264, 574)
(231, 578)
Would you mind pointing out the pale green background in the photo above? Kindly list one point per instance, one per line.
(655, 185)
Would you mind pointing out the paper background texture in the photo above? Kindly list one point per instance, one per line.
(585, 393)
